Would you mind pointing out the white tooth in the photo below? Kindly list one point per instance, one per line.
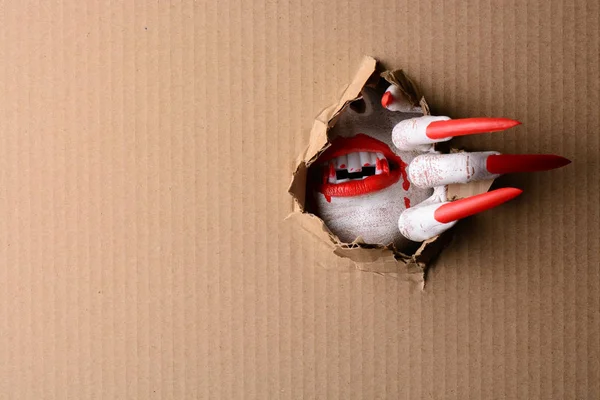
(365, 159)
(380, 156)
(341, 162)
(354, 164)
(373, 158)
(342, 180)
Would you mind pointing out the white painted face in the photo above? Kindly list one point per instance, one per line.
(351, 195)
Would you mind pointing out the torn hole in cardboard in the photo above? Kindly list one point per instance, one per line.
(409, 264)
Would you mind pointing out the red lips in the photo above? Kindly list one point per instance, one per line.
(390, 168)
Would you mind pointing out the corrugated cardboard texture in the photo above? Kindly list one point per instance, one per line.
(146, 148)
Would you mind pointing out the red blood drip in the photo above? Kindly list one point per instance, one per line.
(404, 175)
(343, 166)
(367, 165)
(378, 165)
(406, 202)
(328, 198)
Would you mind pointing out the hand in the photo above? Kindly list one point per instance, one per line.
(391, 188)
(434, 170)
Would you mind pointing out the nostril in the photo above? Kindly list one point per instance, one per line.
(358, 106)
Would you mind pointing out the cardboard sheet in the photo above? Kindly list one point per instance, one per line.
(146, 150)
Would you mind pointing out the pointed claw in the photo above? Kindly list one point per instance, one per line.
(466, 207)
(387, 99)
(507, 163)
(395, 100)
(468, 126)
(332, 175)
(431, 218)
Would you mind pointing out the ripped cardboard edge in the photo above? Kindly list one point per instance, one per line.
(373, 258)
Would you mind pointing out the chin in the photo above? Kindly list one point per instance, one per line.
(371, 217)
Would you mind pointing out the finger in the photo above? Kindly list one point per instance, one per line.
(420, 133)
(410, 134)
(423, 223)
(394, 100)
(431, 170)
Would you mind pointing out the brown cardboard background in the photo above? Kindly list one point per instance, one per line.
(146, 148)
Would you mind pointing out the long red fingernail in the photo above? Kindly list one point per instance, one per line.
(387, 99)
(507, 163)
(467, 126)
(473, 205)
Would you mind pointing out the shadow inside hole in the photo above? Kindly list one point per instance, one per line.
(359, 106)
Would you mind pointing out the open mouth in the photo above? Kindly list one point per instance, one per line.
(358, 165)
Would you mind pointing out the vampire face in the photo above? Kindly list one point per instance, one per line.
(359, 184)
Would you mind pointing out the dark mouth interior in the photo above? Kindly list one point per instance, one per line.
(344, 174)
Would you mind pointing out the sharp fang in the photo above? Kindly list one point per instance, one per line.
(332, 178)
(385, 166)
